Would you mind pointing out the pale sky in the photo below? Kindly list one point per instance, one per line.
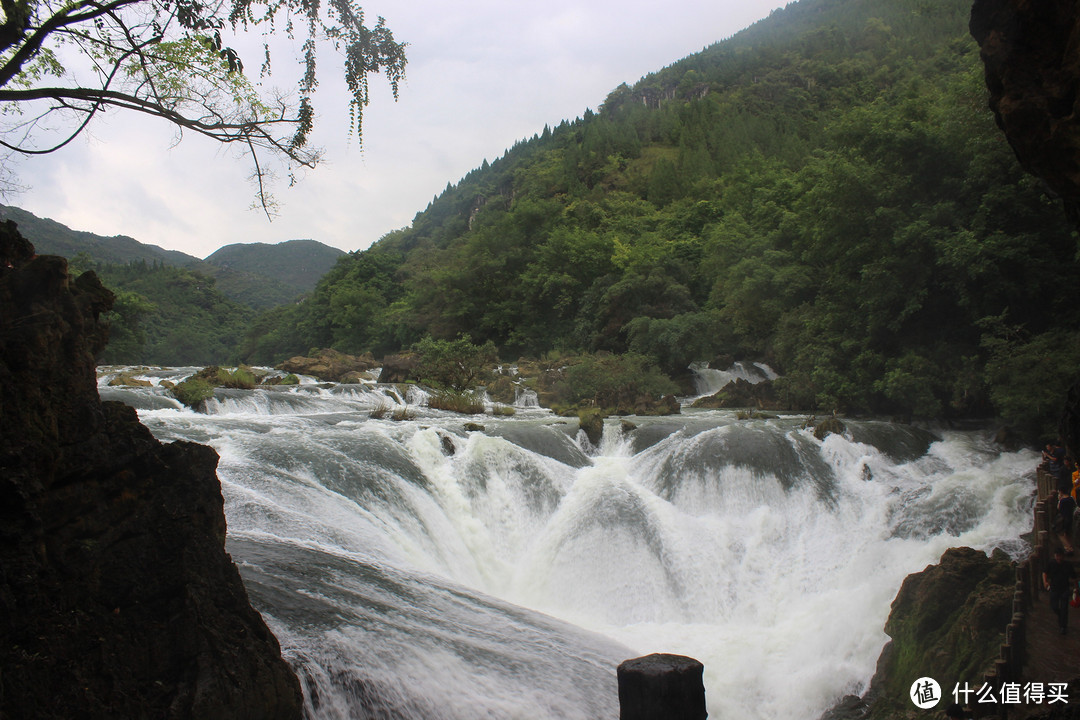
(481, 75)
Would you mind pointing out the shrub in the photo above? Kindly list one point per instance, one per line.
(467, 403)
(458, 365)
(616, 382)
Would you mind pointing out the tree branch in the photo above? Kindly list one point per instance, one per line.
(61, 19)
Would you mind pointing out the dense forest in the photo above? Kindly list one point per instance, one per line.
(167, 315)
(173, 308)
(825, 192)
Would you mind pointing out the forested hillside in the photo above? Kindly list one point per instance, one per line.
(825, 192)
(173, 308)
(297, 265)
(167, 315)
(53, 238)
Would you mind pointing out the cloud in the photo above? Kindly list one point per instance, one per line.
(481, 76)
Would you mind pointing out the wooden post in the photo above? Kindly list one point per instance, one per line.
(661, 686)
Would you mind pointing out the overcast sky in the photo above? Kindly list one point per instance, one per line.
(481, 75)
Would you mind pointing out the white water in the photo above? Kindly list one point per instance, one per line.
(508, 579)
(710, 380)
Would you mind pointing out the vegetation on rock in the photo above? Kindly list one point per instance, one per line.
(198, 388)
(467, 403)
(948, 623)
(458, 365)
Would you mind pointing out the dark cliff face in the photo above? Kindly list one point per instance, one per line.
(1031, 57)
(117, 598)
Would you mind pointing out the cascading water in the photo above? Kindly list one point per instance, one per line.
(417, 569)
(708, 380)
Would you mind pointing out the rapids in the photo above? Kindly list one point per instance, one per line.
(418, 569)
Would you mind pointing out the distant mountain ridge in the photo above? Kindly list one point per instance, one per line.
(259, 275)
(298, 263)
(54, 238)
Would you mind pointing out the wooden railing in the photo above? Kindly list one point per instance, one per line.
(1010, 663)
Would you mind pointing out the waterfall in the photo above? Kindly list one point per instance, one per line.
(710, 380)
(419, 569)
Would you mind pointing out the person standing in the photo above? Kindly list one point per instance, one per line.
(1057, 579)
(1066, 513)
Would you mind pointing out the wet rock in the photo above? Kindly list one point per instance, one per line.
(329, 365)
(399, 368)
(591, 422)
(827, 426)
(127, 380)
(741, 393)
(502, 390)
(947, 622)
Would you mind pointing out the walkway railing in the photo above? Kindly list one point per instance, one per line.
(1010, 663)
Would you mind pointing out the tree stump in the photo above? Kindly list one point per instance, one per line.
(661, 687)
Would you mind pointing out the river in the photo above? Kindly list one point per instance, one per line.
(419, 569)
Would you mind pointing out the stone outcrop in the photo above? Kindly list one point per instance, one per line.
(741, 393)
(399, 368)
(330, 366)
(117, 598)
(1031, 57)
(829, 426)
(947, 622)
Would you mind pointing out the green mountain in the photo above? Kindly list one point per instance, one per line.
(256, 275)
(173, 308)
(824, 191)
(296, 264)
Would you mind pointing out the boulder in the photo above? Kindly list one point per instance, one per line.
(128, 380)
(118, 598)
(647, 405)
(399, 368)
(591, 422)
(502, 389)
(947, 622)
(740, 393)
(329, 365)
(829, 425)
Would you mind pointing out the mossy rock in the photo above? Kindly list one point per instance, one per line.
(829, 425)
(289, 379)
(591, 422)
(502, 390)
(947, 622)
(127, 380)
(193, 392)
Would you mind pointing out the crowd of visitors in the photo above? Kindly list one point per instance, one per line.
(1059, 576)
